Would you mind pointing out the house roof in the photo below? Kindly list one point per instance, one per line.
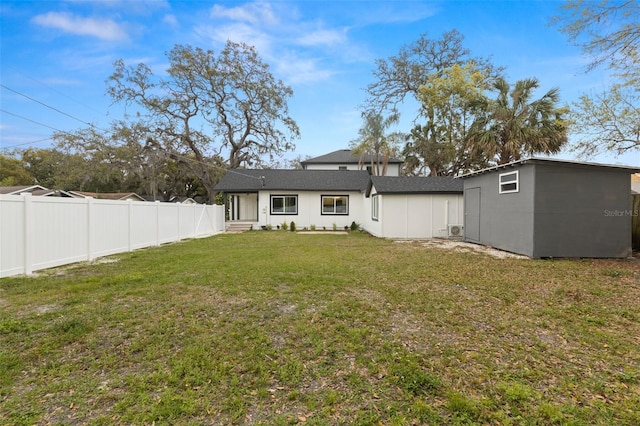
(416, 185)
(345, 156)
(555, 162)
(108, 195)
(293, 180)
(17, 190)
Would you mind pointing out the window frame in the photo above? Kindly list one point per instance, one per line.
(375, 207)
(283, 197)
(502, 184)
(335, 197)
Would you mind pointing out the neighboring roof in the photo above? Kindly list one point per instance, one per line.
(416, 185)
(108, 195)
(241, 180)
(17, 190)
(555, 162)
(345, 156)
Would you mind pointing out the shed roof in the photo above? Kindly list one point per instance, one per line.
(417, 185)
(345, 156)
(555, 162)
(293, 180)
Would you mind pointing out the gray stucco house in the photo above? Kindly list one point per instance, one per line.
(546, 208)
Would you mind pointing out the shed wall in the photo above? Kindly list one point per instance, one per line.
(503, 221)
(582, 212)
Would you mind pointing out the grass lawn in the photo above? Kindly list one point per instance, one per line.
(278, 328)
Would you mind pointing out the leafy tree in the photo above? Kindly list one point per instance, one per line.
(99, 161)
(514, 125)
(607, 121)
(211, 104)
(450, 101)
(609, 32)
(404, 74)
(376, 142)
(12, 173)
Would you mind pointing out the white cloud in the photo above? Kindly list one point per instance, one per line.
(104, 29)
(253, 13)
(170, 20)
(323, 37)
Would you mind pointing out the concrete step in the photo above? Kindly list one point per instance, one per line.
(233, 227)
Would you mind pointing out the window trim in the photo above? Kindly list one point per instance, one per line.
(283, 197)
(334, 196)
(515, 181)
(375, 207)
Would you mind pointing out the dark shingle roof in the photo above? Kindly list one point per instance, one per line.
(344, 156)
(293, 180)
(417, 185)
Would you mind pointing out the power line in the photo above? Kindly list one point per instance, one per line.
(184, 157)
(24, 75)
(48, 106)
(26, 143)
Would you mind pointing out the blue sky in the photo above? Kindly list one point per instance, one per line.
(56, 55)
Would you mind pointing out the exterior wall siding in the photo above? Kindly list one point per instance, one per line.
(582, 212)
(310, 210)
(505, 220)
(392, 169)
(418, 215)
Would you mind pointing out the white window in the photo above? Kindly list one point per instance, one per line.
(335, 204)
(509, 182)
(375, 206)
(284, 204)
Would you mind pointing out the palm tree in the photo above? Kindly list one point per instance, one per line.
(513, 125)
(374, 140)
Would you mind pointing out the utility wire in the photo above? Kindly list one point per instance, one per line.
(48, 106)
(184, 157)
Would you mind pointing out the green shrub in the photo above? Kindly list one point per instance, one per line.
(354, 226)
(284, 226)
(312, 227)
(292, 226)
(269, 227)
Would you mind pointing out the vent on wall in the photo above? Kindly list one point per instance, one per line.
(455, 231)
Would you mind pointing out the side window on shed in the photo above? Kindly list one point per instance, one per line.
(509, 182)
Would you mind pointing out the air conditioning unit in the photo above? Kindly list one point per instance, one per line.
(455, 231)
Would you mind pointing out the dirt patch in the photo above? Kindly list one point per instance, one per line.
(463, 247)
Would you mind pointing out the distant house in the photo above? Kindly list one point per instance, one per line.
(345, 159)
(551, 208)
(35, 190)
(122, 196)
(21, 189)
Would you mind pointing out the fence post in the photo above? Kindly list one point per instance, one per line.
(90, 233)
(129, 227)
(28, 233)
(157, 222)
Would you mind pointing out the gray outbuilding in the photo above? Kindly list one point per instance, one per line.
(544, 208)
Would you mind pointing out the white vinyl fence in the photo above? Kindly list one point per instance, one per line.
(43, 232)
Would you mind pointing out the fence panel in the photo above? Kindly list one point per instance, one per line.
(43, 232)
(12, 233)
